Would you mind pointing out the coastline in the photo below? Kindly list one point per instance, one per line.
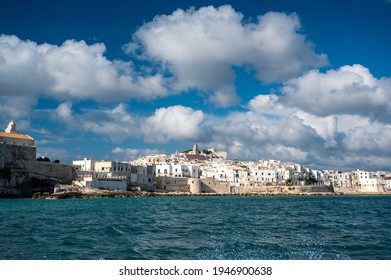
(123, 194)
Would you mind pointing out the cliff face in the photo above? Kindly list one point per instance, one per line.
(29, 177)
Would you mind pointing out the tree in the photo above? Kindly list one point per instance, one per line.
(43, 159)
(56, 161)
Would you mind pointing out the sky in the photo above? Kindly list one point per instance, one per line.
(300, 81)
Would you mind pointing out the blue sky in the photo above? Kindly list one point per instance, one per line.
(303, 81)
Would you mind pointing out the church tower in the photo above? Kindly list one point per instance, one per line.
(11, 128)
(195, 150)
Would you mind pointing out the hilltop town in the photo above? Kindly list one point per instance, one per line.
(194, 172)
(209, 171)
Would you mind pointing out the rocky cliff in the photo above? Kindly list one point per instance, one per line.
(33, 176)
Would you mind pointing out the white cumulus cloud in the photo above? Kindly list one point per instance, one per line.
(116, 124)
(130, 154)
(173, 123)
(200, 48)
(349, 90)
(73, 70)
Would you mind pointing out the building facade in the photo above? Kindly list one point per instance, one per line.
(15, 148)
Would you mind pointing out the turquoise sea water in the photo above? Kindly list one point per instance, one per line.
(197, 228)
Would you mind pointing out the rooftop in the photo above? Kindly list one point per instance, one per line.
(15, 135)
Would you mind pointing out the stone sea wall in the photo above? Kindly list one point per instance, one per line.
(361, 189)
(283, 189)
(33, 176)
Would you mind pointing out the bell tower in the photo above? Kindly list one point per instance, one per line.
(195, 150)
(11, 128)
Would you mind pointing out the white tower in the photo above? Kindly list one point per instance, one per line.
(11, 128)
(195, 150)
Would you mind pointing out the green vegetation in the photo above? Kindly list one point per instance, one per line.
(310, 181)
(43, 159)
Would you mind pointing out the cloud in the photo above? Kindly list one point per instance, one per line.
(349, 90)
(64, 112)
(268, 126)
(115, 123)
(53, 153)
(266, 130)
(252, 135)
(192, 49)
(131, 154)
(201, 47)
(271, 129)
(224, 97)
(173, 123)
(82, 71)
(73, 70)
(16, 107)
(22, 67)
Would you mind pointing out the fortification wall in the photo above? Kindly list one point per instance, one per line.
(257, 190)
(309, 189)
(62, 172)
(172, 184)
(210, 185)
(371, 189)
(283, 189)
(2, 154)
(15, 156)
(34, 176)
(194, 185)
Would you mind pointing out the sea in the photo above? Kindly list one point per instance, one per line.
(197, 228)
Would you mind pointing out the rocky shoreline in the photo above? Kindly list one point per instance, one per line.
(67, 192)
(157, 194)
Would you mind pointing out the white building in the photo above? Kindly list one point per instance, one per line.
(15, 148)
(100, 181)
(337, 178)
(85, 164)
(11, 136)
(177, 170)
(263, 176)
